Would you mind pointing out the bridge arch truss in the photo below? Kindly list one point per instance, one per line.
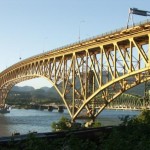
(91, 72)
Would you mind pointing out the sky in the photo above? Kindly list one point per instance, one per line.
(31, 27)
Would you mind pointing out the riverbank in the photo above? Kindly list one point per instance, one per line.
(124, 137)
(25, 121)
(55, 140)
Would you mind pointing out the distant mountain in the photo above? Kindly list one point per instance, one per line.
(51, 92)
(46, 89)
(137, 90)
(23, 89)
(27, 94)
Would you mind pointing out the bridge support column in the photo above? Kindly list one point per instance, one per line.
(91, 89)
(60, 109)
(1, 100)
(50, 108)
(3, 95)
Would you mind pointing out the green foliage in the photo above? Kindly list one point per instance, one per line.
(133, 134)
(37, 144)
(74, 143)
(63, 124)
(128, 137)
(96, 124)
(66, 143)
(66, 124)
(144, 117)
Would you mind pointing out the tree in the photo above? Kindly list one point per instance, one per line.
(133, 133)
(63, 124)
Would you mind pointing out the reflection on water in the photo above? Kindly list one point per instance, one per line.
(23, 121)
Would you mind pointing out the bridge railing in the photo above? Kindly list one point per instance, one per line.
(82, 41)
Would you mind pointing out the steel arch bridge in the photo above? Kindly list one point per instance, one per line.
(106, 65)
(129, 102)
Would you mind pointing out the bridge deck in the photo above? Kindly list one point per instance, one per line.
(95, 40)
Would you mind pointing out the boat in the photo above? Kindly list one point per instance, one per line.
(4, 110)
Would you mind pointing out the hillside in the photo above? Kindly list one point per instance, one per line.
(138, 90)
(28, 94)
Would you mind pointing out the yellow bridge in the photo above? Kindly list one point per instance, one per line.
(89, 72)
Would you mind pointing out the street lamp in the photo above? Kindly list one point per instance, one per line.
(44, 43)
(82, 21)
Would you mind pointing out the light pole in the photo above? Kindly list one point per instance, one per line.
(44, 43)
(82, 21)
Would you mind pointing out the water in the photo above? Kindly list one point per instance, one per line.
(25, 121)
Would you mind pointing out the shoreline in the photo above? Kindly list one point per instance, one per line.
(24, 121)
